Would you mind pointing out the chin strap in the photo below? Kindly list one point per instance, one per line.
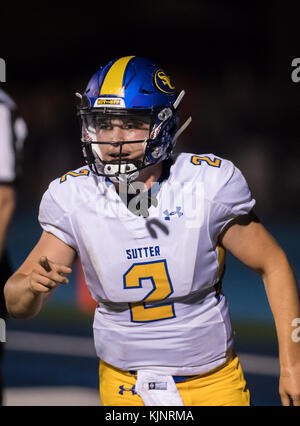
(187, 122)
(182, 128)
(179, 99)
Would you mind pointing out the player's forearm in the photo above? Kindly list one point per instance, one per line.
(282, 292)
(20, 301)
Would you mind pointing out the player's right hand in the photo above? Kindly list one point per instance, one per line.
(47, 275)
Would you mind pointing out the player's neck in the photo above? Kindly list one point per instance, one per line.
(151, 174)
(148, 176)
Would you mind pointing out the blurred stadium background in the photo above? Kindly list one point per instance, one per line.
(234, 61)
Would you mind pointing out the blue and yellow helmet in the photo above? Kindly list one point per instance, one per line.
(126, 88)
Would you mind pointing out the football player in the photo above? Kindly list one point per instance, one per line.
(151, 232)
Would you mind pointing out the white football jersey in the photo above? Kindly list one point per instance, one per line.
(156, 279)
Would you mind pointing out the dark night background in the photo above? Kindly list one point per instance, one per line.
(233, 59)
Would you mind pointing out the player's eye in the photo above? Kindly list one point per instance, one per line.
(103, 125)
(130, 125)
(135, 124)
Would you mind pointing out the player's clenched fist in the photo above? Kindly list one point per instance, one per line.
(46, 275)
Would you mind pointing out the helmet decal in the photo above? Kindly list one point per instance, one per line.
(163, 82)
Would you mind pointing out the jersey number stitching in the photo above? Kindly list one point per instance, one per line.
(83, 172)
(197, 160)
(157, 272)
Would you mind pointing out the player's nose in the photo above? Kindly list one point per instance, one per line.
(117, 149)
(117, 134)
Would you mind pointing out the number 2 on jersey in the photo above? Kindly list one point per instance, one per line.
(157, 272)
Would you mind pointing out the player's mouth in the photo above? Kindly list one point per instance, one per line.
(118, 156)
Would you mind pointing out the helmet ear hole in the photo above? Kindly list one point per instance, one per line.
(164, 114)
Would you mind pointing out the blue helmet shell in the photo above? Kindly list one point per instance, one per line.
(142, 84)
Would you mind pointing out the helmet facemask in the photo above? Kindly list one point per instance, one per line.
(148, 140)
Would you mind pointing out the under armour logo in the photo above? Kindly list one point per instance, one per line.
(122, 390)
(168, 215)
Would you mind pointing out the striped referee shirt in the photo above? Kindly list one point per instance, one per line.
(13, 131)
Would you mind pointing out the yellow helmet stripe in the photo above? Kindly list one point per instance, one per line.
(113, 81)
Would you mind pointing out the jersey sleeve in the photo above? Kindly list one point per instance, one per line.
(55, 219)
(232, 199)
